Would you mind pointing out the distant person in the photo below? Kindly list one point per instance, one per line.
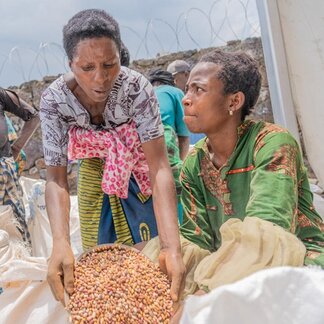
(10, 148)
(170, 102)
(176, 133)
(180, 71)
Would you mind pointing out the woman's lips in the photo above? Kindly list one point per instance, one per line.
(101, 91)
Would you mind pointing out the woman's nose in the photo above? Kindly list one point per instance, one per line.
(101, 75)
(186, 101)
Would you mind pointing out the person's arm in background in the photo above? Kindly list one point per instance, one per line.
(30, 115)
(165, 208)
(183, 146)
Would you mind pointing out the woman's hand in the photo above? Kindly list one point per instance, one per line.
(172, 264)
(60, 270)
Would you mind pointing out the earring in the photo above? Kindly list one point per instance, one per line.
(230, 112)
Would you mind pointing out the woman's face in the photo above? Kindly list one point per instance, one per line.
(96, 66)
(206, 106)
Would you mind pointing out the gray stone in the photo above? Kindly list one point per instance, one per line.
(33, 173)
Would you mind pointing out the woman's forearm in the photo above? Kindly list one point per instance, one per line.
(58, 208)
(165, 208)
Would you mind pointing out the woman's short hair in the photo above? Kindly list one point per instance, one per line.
(89, 23)
(124, 55)
(238, 72)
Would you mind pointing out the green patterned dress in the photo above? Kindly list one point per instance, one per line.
(264, 177)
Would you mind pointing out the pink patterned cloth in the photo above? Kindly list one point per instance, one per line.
(123, 152)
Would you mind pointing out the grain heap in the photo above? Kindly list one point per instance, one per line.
(114, 284)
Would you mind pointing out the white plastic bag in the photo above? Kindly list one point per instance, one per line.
(25, 296)
(38, 222)
(283, 295)
(31, 302)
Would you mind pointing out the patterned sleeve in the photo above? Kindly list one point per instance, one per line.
(195, 227)
(146, 112)
(54, 131)
(274, 185)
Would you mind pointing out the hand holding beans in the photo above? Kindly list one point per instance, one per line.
(171, 263)
(60, 270)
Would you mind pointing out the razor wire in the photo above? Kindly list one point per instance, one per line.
(226, 20)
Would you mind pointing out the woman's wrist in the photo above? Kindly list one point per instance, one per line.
(61, 241)
(171, 246)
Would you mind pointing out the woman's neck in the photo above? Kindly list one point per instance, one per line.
(222, 144)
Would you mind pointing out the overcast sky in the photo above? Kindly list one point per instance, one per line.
(31, 30)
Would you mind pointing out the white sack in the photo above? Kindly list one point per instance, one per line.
(282, 295)
(8, 222)
(31, 303)
(25, 296)
(38, 222)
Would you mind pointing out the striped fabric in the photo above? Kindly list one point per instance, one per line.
(108, 218)
(123, 233)
(90, 199)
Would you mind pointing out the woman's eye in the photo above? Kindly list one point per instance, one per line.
(87, 68)
(108, 66)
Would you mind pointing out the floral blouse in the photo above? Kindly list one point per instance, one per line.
(131, 99)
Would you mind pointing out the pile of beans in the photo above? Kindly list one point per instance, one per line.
(114, 284)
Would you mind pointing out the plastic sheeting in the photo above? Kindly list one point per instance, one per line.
(25, 296)
(38, 222)
(282, 295)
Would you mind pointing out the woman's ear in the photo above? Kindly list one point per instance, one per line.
(237, 101)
